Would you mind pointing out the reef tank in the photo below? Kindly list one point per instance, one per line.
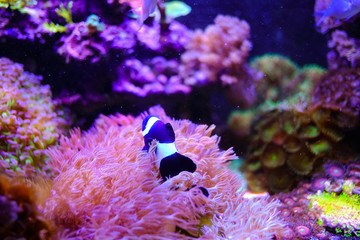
(165, 119)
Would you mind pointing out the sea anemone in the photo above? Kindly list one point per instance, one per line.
(107, 187)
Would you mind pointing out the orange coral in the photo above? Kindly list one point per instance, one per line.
(19, 216)
(108, 187)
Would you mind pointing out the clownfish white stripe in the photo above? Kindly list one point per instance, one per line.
(168, 160)
(164, 150)
(149, 125)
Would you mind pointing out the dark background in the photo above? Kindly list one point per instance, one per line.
(277, 26)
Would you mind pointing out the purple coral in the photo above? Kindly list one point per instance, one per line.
(345, 51)
(159, 76)
(339, 90)
(84, 43)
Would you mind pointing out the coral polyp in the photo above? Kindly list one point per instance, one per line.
(105, 168)
(29, 123)
(338, 210)
(289, 143)
(338, 93)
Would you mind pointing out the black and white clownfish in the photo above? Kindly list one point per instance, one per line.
(169, 160)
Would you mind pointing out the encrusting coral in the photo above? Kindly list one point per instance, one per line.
(107, 187)
(28, 120)
(341, 210)
(335, 198)
(300, 220)
(326, 207)
(19, 216)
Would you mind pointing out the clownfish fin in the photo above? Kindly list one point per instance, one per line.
(174, 164)
(170, 131)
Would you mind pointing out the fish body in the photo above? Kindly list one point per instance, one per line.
(169, 160)
(176, 9)
(340, 9)
(147, 8)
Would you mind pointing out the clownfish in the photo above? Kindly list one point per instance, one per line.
(169, 161)
(340, 9)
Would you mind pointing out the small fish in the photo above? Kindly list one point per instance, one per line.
(340, 9)
(147, 8)
(175, 9)
(169, 160)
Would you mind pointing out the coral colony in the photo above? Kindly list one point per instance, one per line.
(86, 152)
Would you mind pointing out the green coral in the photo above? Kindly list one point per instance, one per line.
(54, 28)
(28, 121)
(341, 210)
(283, 78)
(16, 4)
(65, 13)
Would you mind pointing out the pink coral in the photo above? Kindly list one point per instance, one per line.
(174, 39)
(108, 188)
(217, 54)
(79, 46)
(158, 76)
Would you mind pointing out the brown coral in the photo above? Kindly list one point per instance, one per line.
(282, 78)
(286, 146)
(28, 121)
(19, 216)
(108, 188)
